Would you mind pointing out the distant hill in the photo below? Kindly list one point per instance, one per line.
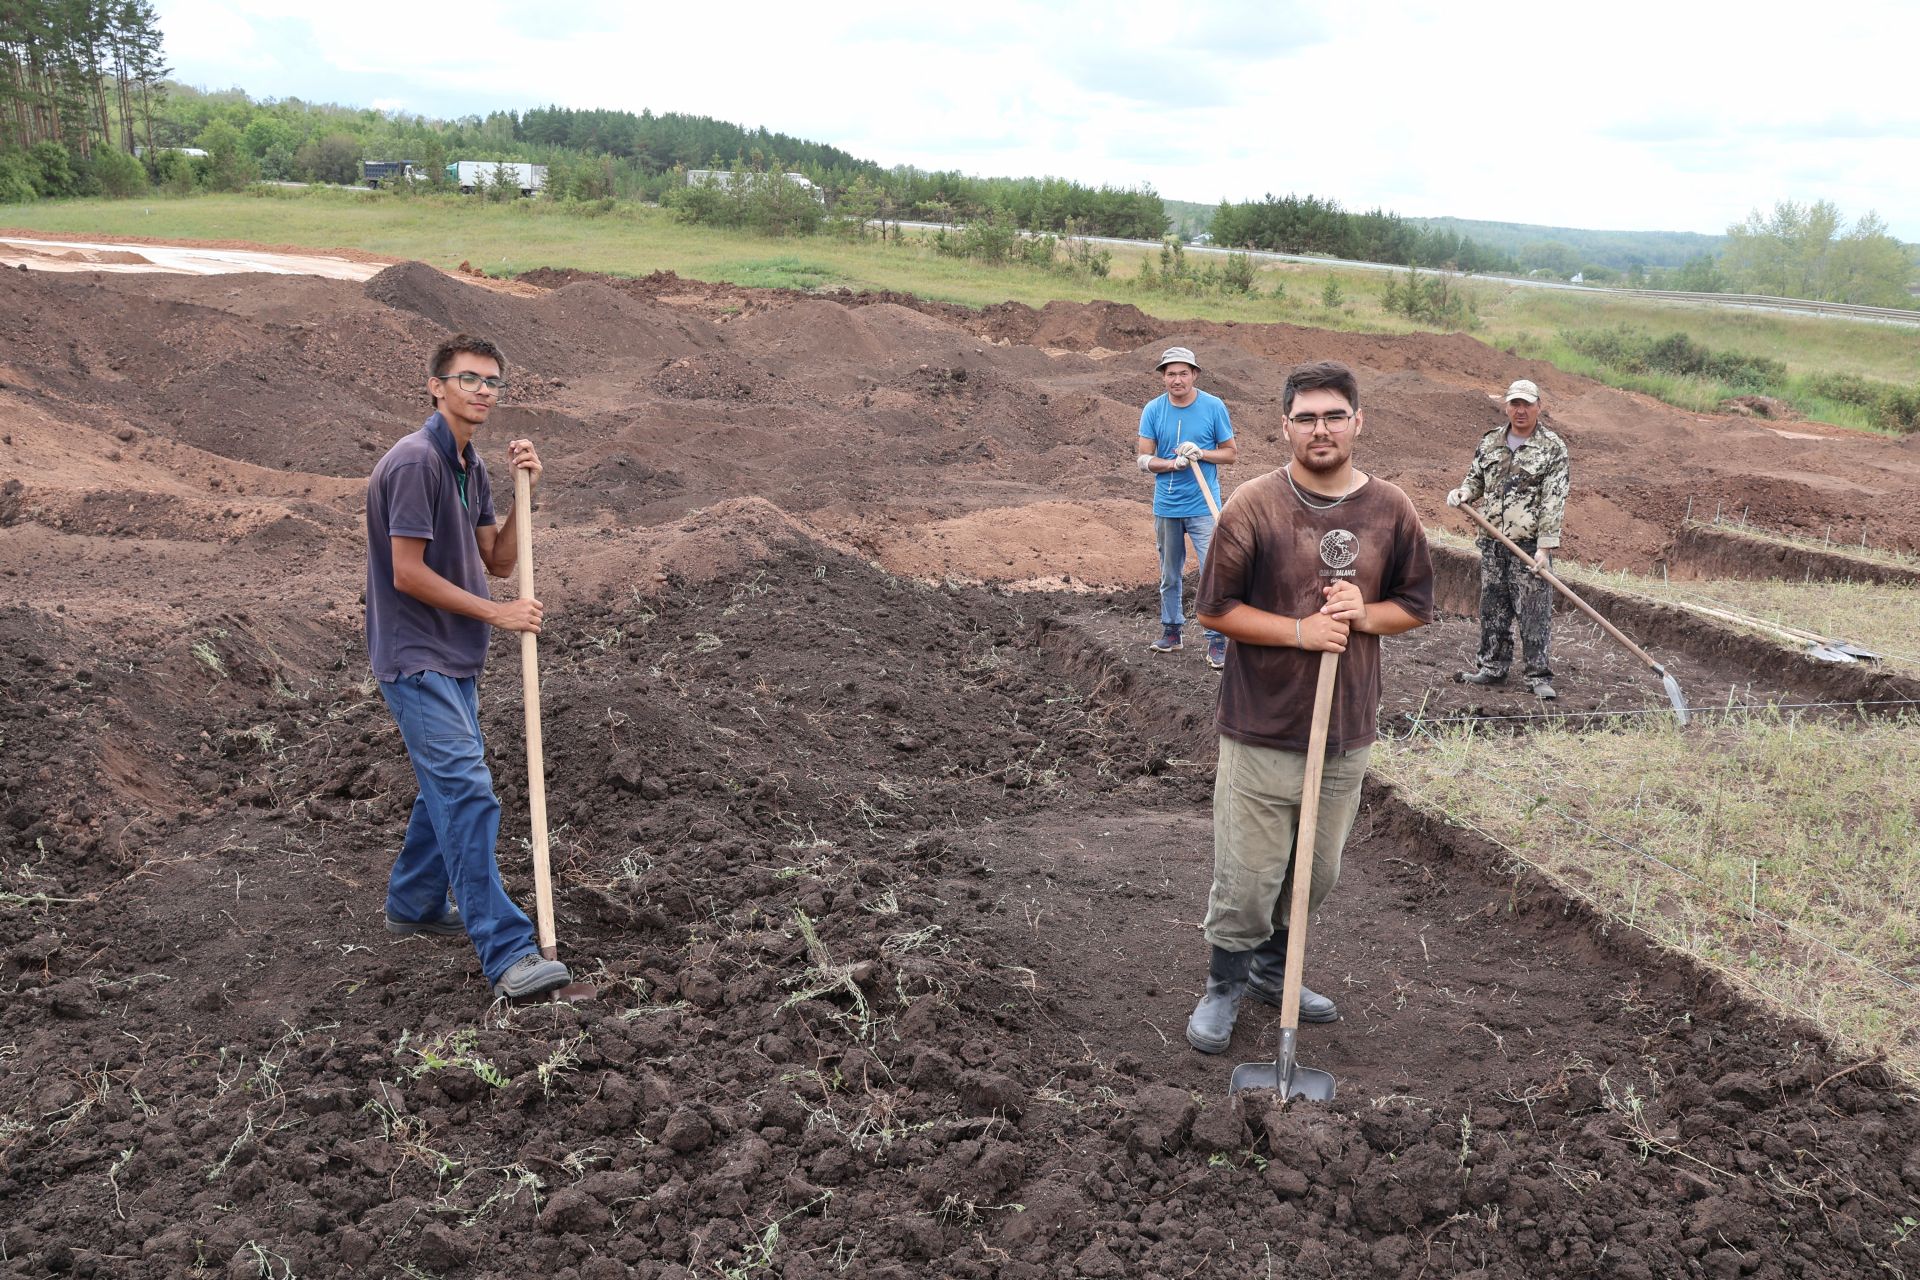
(1189, 219)
(1617, 249)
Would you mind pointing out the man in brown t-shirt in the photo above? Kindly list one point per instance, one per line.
(1317, 556)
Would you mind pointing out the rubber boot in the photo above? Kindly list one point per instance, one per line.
(1210, 1029)
(1267, 981)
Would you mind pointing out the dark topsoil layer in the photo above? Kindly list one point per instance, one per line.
(893, 940)
(890, 892)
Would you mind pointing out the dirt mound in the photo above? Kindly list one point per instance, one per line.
(1083, 326)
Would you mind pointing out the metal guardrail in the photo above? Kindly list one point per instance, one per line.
(1899, 315)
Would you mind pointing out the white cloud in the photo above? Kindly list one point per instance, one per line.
(1638, 115)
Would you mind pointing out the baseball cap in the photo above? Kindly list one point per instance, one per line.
(1524, 390)
(1183, 356)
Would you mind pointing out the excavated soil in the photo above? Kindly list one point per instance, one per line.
(881, 835)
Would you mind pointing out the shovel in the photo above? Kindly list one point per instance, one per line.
(536, 756)
(1284, 1075)
(1674, 695)
(1819, 647)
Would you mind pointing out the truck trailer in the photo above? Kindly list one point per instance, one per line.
(379, 173)
(476, 175)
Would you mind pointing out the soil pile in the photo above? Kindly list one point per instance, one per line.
(889, 885)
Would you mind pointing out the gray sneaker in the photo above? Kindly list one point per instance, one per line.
(1480, 675)
(531, 975)
(449, 925)
(1543, 690)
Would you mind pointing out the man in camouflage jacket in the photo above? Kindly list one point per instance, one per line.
(1518, 480)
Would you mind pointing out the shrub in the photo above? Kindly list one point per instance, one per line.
(17, 173)
(1634, 351)
(54, 164)
(118, 174)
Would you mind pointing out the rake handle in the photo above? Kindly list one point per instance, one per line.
(536, 755)
(1561, 587)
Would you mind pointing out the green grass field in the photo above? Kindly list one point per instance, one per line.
(632, 240)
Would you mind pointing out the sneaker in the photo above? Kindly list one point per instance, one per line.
(449, 925)
(531, 975)
(1217, 652)
(1169, 641)
(1542, 690)
(1480, 675)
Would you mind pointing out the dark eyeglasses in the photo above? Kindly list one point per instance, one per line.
(470, 382)
(1334, 422)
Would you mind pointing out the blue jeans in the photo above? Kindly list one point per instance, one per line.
(1171, 535)
(455, 823)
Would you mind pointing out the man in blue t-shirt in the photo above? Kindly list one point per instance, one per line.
(1184, 435)
(431, 542)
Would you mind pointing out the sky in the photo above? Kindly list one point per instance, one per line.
(1631, 116)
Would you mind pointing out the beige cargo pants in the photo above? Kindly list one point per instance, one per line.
(1256, 815)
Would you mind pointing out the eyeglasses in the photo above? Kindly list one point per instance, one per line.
(471, 382)
(1335, 422)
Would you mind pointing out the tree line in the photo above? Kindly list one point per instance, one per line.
(80, 81)
(603, 155)
(1310, 224)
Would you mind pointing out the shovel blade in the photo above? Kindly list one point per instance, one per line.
(1828, 653)
(1284, 1075)
(1308, 1082)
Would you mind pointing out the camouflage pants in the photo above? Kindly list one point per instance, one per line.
(1510, 591)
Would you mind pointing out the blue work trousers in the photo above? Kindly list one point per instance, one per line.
(455, 823)
(1171, 535)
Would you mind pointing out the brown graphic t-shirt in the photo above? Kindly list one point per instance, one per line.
(1274, 553)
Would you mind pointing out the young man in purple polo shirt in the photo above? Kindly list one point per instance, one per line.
(431, 542)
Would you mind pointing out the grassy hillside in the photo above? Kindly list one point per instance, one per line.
(1617, 249)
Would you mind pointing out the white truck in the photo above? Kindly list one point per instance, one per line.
(473, 175)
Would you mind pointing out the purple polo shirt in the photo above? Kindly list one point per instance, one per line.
(415, 493)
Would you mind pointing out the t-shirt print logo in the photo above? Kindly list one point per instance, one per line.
(1339, 548)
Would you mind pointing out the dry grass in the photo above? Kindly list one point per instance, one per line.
(1775, 850)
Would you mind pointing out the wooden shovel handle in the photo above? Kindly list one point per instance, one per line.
(536, 756)
(1562, 588)
(1303, 858)
(1206, 491)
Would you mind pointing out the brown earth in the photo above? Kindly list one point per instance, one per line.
(889, 880)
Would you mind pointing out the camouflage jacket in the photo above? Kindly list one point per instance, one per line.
(1522, 492)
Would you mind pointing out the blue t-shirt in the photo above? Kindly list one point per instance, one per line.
(416, 491)
(1205, 423)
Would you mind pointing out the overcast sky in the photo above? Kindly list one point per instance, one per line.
(1671, 116)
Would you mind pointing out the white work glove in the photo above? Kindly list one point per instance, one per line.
(1181, 463)
(1144, 461)
(1187, 449)
(1543, 561)
(1457, 497)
